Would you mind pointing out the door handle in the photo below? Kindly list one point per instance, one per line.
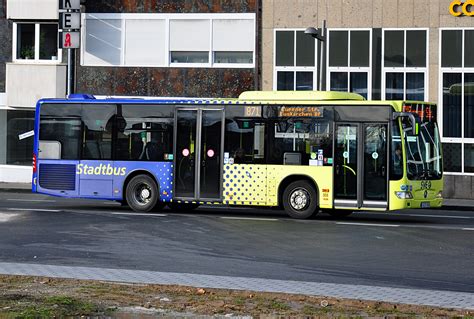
(383, 171)
(337, 169)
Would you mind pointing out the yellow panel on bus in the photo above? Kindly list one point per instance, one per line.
(258, 185)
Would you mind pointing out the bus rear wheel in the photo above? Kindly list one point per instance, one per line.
(142, 194)
(300, 200)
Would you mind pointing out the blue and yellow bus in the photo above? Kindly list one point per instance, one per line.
(302, 151)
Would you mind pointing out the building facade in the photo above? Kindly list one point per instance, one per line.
(381, 49)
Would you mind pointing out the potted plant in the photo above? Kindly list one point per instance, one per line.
(27, 53)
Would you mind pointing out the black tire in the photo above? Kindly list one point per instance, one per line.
(142, 193)
(300, 200)
(182, 207)
(338, 213)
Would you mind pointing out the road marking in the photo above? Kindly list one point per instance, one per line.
(438, 216)
(35, 210)
(31, 200)
(251, 218)
(140, 214)
(367, 224)
(6, 217)
(468, 229)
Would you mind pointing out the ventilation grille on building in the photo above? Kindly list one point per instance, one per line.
(58, 176)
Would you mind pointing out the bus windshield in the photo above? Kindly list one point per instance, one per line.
(423, 151)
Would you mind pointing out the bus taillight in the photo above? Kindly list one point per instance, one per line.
(34, 163)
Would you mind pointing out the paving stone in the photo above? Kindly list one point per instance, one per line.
(437, 298)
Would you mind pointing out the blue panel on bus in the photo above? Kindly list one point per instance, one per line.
(162, 171)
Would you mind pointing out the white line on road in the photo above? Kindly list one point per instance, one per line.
(367, 224)
(35, 210)
(141, 214)
(250, 218)
(468, 229)
(438, 216)
(31, 200)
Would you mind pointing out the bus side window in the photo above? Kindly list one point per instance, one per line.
(308, 137)
(98, 125)
(396, 158)
(245, 141)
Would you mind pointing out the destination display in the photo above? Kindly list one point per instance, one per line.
(300, 111)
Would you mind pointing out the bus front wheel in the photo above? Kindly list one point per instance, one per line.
(142, 193)
(300, 200)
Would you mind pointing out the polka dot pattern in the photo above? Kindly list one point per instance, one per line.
(245, 184)
(164, 174)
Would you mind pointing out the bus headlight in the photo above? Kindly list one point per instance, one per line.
(440, 194)
(404, 195)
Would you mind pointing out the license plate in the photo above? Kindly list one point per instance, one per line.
(425, 205)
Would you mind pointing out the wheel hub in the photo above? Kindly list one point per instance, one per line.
(299, 199)
(145, 193)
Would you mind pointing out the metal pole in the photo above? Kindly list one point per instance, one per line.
(322, 63)
(70, 72)
(318, 82)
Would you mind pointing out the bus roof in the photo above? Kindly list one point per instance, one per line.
(300, 96)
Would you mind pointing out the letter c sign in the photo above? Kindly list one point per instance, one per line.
(467, 8)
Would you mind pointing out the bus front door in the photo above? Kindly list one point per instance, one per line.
(198, 154)
(360, 166)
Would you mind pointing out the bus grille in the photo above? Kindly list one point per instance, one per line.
(57, 176)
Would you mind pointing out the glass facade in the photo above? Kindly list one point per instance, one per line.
(457, 74)
(405, 66)
(349, 59)
(295, 61)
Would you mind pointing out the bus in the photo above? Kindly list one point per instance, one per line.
(303, 151)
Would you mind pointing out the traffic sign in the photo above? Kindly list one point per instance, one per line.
(69, 39)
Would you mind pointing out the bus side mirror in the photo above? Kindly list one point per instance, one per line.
(414, 120)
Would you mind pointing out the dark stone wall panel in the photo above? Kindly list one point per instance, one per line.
(185, 82)
(170, 6)
(5, 43)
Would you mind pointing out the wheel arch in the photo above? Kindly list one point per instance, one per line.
(136, 173)
(293, 178)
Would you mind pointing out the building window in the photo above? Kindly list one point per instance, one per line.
(349, 60)
(35, 41)
(169, 40)
(295, 61)
(405, 64)
(457, 99)
(13, 149)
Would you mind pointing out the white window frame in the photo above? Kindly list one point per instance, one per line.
(456, 70)
(350, 69)
(167, 17)
(36, 59)
(405, 69)
(294, 68)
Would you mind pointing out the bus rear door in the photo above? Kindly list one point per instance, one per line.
(199, 134)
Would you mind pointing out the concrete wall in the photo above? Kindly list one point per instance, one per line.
(430, 14)
(15, 174)
(37, 81)
(32, 9)
(203, 82)
(6, 44)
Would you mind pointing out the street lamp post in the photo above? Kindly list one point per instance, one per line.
(321, 36)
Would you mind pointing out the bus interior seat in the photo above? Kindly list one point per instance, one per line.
(151, 152)
(92, 150)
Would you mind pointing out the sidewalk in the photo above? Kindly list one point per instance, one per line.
(450, 204)
(436, 298)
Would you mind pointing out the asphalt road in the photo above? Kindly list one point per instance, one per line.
(429, 249)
